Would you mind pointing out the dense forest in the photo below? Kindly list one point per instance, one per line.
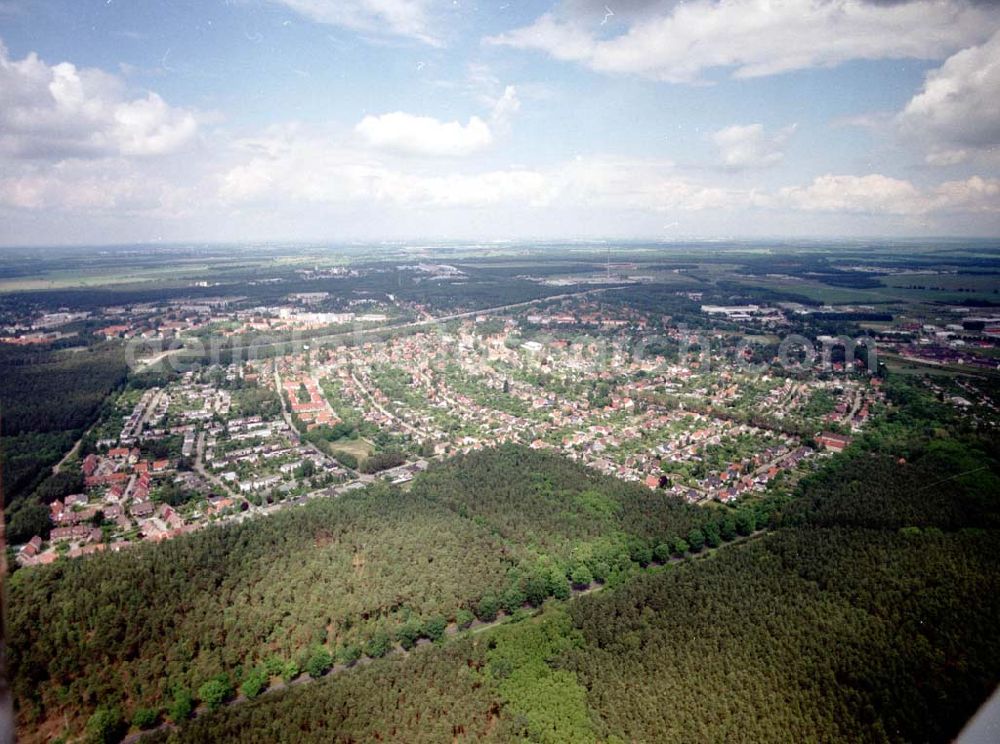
(831, 633)
(480, 289)
(806, 635)
(46, 390)
(47, 400)
(484, 534)
(865, 613)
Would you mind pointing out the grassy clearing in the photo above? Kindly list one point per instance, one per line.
(360, 448)
(817, 291)
(71, 279)
(899, 365)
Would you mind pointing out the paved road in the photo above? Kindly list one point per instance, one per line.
(150, 410)
(293, 432)
(849, 418)
(199, 465)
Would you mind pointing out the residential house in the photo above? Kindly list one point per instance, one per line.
(833, 442)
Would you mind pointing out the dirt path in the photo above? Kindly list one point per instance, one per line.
(69, 455)
(76, 448)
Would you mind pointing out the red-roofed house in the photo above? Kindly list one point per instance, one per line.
(113, 331)
(105, 480)
(833, 442)
(33, 547)
(75, 532)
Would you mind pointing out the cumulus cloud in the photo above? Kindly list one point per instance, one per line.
(295, 170)
(958, 109)
(91, 186)
(58, 111)
(626, 184)
(873, 193)
(505, 108)
(758, 37)
(406, 18)
(293, 165)
(72, 140)
(750, 146)
(879, 194)
(974, 194)
(424, 135)
(944, 157)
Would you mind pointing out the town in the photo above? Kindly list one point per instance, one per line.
(564, 371)
(227, 442)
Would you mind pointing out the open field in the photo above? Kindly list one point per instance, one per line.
(359, 448)
(904, 365)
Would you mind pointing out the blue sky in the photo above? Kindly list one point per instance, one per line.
(135, 120)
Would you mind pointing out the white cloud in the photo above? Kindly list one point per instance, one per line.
(294, 178)
(295, 165)
(424, 135)
(57, 111)
(749, 146)
(148, 126)
(623, 184)
(522, 186)
(975, 194)
(944, 157)
(879, 194)
(292, 165)
(873, 193)
(505, 108)
(407, 18)
(958, 109)
(759, 37)
(91, 186)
